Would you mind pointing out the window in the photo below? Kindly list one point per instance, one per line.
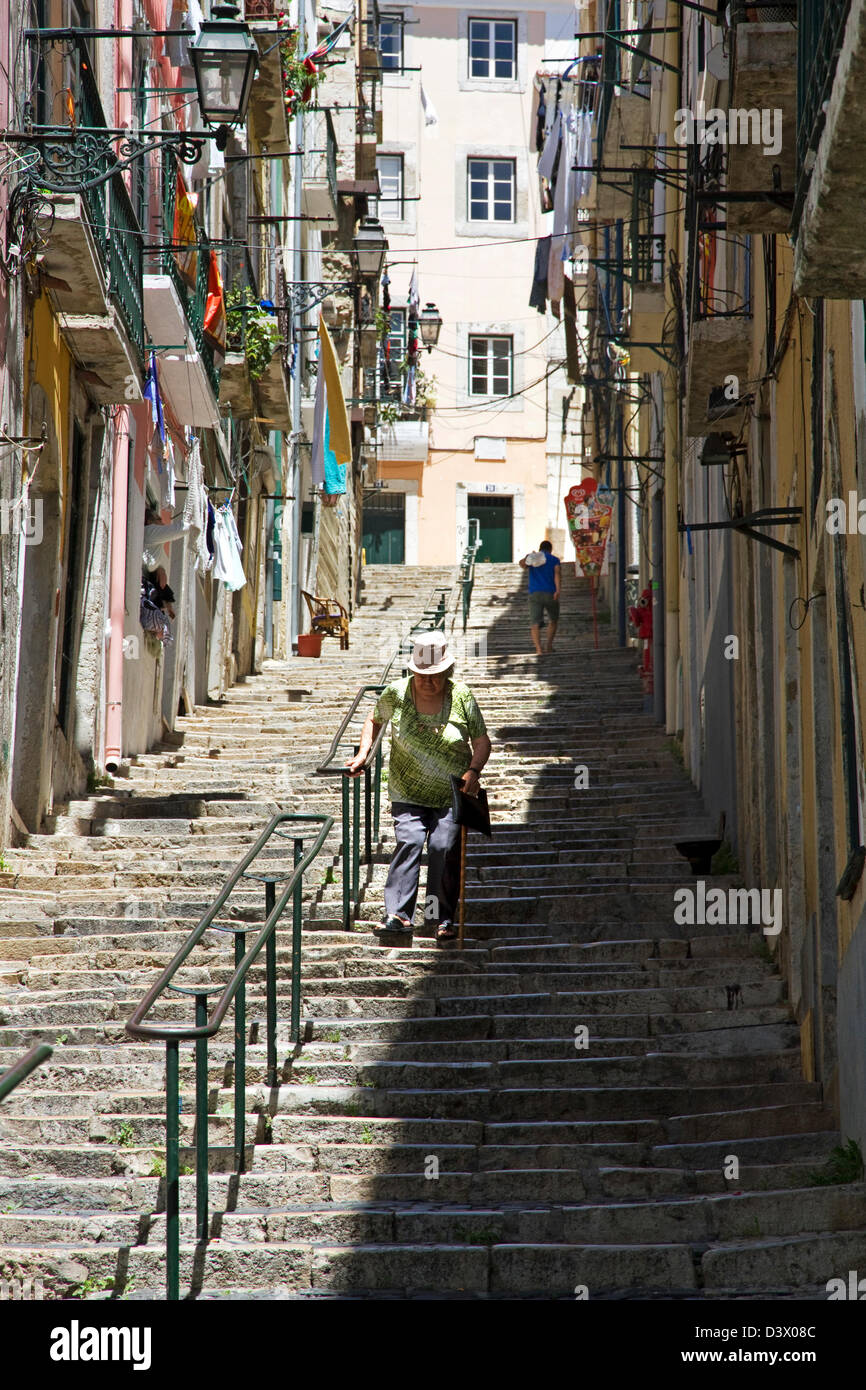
(491, 190)
(490, 365)
(391, 42)
(392, 354)
(493, 49)
(390, 205)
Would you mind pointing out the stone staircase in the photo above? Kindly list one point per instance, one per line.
(443, 1131)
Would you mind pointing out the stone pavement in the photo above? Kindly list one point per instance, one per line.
(443, 1131)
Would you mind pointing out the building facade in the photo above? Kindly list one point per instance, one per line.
(161, 514)
(481, 433)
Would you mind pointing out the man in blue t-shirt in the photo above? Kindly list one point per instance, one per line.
(544, 585)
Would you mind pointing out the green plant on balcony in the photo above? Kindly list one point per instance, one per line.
(250, 330)
(300, 75)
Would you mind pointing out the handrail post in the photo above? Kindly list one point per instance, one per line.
(271, 988)
(297, 917)
(368, 818)
(240, 1057)
(172, 1183)
(377, 793)
(356, 843)
(347, 868)
(201, 1122)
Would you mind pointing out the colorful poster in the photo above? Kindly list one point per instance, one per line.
(589, 510)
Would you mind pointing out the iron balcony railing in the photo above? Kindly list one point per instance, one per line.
(118, 235)
(320, 151)
(173, 1034)
(709, 295)
(193, 299)
(647, 258)
(820, 32)
(23, 1067)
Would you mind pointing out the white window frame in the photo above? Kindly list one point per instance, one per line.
(490, 358)
(398, 19)
(386, 207)
(491, 161)
(521, 78)
(477, 25)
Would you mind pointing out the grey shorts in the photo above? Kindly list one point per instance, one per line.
(541, 600)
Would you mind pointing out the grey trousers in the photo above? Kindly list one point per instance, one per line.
(412, 826)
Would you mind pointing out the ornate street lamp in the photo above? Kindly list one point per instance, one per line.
(370, 245)
(430, 322)
(225, 60)
(87, 152)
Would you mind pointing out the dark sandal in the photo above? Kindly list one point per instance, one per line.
(393, 926)
(446, 931)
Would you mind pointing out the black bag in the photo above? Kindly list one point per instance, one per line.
(471, 811)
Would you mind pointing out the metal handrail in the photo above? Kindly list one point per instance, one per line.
(204, 1028)
(351, 822)
(23, 1067)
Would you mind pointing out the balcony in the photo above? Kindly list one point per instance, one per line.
(92, 252)
(175, 296)
(829, 249)
(274, 393)
(763, 82)
(319, 170)
(648, 311)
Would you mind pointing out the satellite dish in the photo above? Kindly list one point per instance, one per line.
(718, 63)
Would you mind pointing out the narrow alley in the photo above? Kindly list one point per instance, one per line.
(551, 1113)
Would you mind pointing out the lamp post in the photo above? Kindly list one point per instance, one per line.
(87, 152)
(370, 247)
(225, 60)
(430, 323)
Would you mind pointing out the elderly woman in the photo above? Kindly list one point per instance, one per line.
(437, 731)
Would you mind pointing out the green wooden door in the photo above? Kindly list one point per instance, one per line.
(494, 513)
(384, 534)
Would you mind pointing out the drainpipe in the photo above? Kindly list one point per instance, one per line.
(297, 266)
(117, 592)
(669, 672)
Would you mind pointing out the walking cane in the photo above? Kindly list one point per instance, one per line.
(462, 885)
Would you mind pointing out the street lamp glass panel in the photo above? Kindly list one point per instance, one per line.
(430, 321)
(370, 245)
(225, 60)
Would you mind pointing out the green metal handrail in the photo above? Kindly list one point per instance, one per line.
(351, 817)
(467, 568)
(204, 1027)
(23, 1067)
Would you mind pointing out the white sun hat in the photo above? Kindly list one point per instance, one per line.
(430, 654)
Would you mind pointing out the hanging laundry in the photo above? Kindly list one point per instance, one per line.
(168, 478)
(228, 565)
(195, 509)
(215, 312)
(430, 116)
(547, 159)
(538, 294)
(184, 238)
(540, 117)
(209, 525)
(583, 178)
(185, 14)
(335, 473)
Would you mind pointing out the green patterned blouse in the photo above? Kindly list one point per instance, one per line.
(428, 749)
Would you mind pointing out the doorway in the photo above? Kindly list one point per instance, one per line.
(496, 526)
(384, 533)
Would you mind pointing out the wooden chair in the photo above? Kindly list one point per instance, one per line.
(329, 617)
